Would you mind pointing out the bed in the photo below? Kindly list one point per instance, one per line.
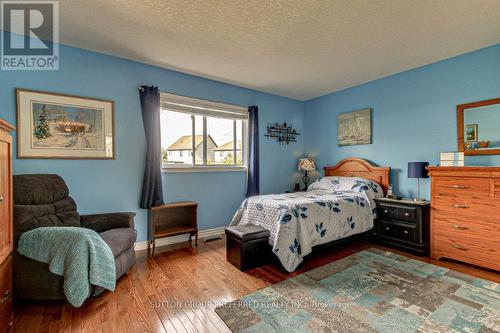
(339, 205)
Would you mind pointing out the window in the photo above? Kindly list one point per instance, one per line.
(199, 134)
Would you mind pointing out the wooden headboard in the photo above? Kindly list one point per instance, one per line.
(357, 167)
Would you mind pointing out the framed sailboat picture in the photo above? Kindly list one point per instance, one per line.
(354, 128)
(64, 127)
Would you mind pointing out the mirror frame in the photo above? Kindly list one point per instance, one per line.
(460, 127)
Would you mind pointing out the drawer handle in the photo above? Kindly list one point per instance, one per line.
(459, 187)
(387, 228)
(458, 247)
(407, 214)
(386, 211)
(460, 206)
(5, 297)
(1, 198)
(406, 232)
(461, 227)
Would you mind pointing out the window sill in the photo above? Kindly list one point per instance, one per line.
(204, 169)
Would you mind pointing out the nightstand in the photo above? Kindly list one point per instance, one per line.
(403, 224)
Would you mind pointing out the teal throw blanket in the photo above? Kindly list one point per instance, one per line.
(80, 255)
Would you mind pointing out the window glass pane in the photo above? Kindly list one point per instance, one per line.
(220, 140)
(198, 134)
(239, 142)
(176, 138)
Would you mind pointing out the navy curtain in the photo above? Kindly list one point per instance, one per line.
(152, 192)
(253, 147)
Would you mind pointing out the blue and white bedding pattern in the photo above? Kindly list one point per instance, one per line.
(332, 208)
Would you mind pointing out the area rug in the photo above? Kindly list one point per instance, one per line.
(370, 291)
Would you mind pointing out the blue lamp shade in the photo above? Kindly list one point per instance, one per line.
(417, 169)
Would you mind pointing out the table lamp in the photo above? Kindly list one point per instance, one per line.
(417, 170)
(306, 164)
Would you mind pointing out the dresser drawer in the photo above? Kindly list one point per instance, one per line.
(482, 252)
(496, 188)
(484, 209)
(466, 227)
(398, 231)
(457, 186)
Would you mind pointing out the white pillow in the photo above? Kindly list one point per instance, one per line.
(337, 183)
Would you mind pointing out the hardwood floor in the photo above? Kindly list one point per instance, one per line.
(179, 274)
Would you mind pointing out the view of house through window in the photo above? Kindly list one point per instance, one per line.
(192, 140)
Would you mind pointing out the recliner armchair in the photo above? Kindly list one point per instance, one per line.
(44, 201)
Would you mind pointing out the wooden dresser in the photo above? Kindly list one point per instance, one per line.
(465, 214)
(6, 313)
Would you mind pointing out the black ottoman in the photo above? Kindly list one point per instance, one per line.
(247, 246)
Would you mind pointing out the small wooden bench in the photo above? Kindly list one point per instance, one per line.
(247, 246)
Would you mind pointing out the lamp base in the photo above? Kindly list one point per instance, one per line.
(306, 180)
(418, 199)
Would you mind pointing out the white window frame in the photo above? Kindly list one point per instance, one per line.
(205, 108)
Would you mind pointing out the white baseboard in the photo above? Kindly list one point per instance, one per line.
(139, 246)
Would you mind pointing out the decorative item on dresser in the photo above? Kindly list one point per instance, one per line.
(6, 232)
(403, 223)
(172, 219)
(451, 159)
(465, 204)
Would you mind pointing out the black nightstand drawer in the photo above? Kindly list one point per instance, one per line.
(388, 212)
(407, 214)
(399, 231)
(391, 212)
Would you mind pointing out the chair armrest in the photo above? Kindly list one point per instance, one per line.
(107, 221)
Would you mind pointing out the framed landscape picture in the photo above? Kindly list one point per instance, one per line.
(471, 132)
(354, 128)
(64, 127)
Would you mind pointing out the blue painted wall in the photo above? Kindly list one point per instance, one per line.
(101, 186)
(414, 115)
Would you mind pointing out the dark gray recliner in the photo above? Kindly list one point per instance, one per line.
(44, 201)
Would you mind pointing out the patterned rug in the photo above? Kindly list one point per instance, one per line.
(370, 291)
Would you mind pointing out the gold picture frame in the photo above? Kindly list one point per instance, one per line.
(59, 126)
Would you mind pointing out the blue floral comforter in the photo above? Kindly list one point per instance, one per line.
(333, 208)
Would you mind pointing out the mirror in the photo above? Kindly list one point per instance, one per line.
(479, 127)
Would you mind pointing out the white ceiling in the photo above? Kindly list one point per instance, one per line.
(296, 48)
